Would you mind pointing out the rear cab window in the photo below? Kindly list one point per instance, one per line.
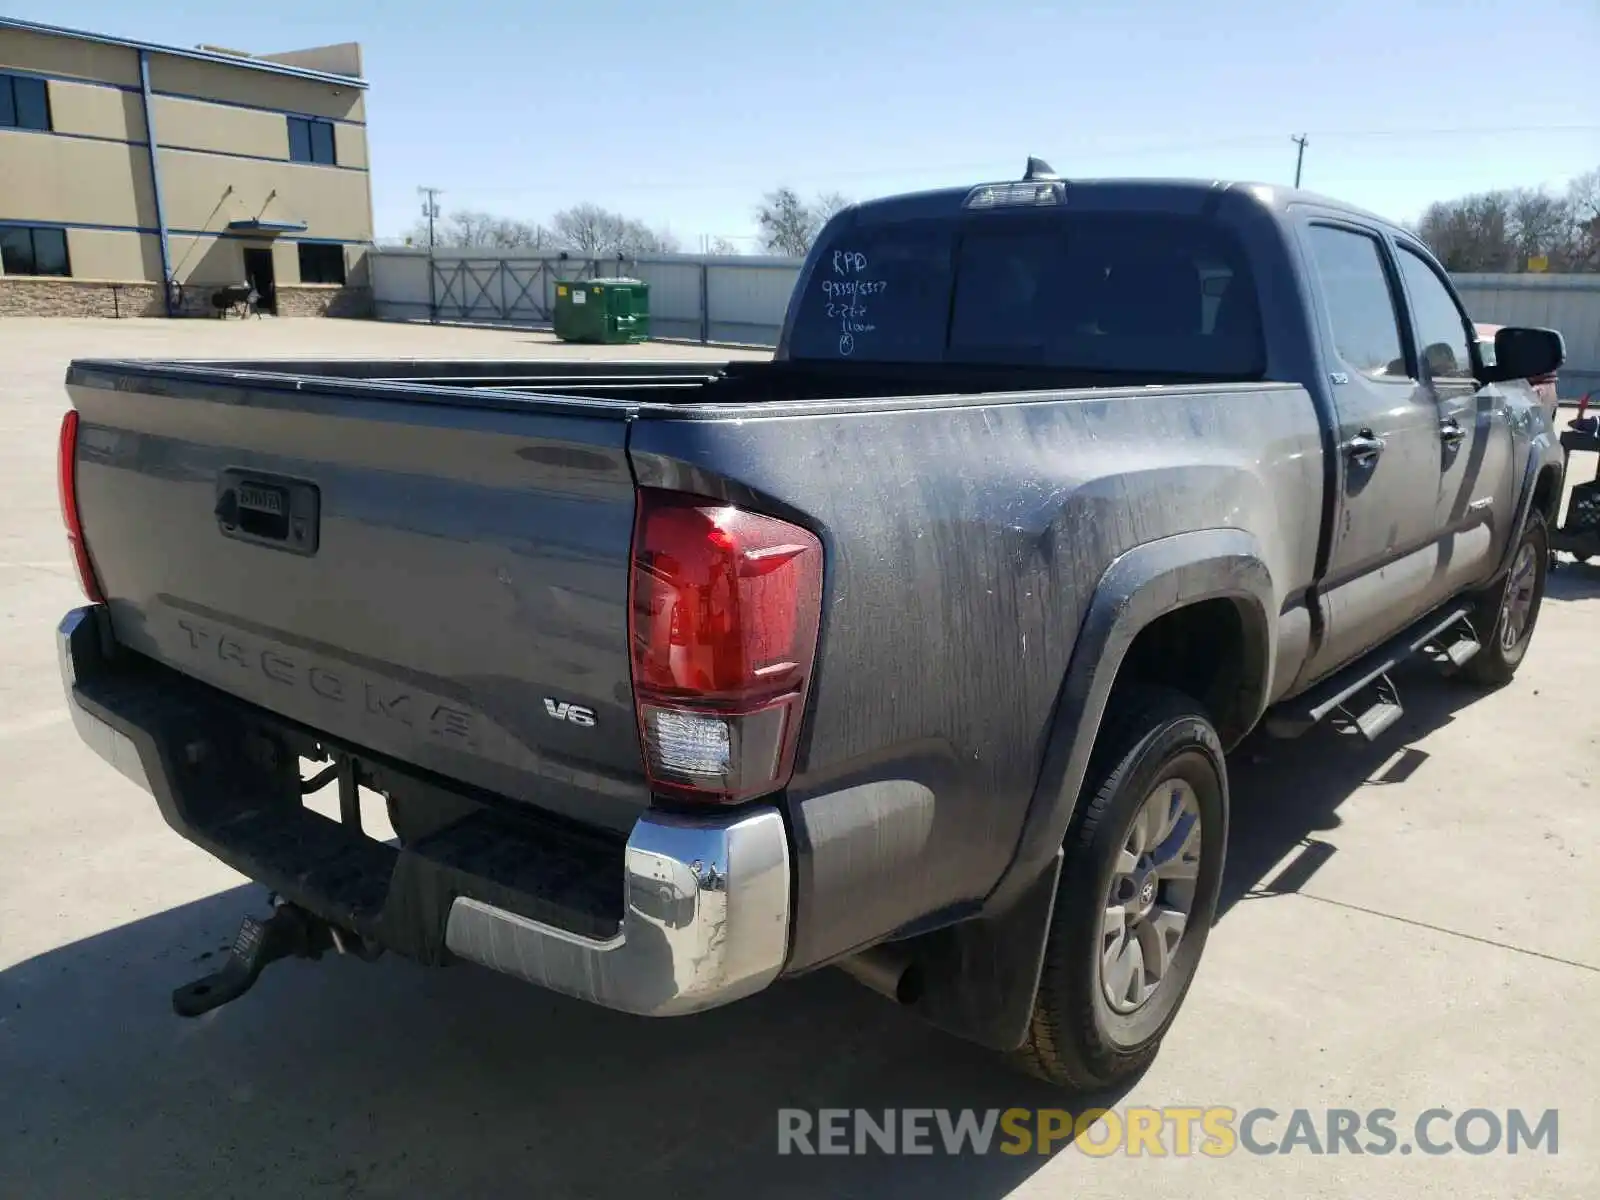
(882, 297)
(1141, 293)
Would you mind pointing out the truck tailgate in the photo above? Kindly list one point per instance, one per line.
(438, 578)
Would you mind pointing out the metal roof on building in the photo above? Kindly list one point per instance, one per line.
(252, 64)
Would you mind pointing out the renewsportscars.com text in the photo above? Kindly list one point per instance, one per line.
(1179, 1132)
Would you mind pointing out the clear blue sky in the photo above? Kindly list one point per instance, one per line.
(683, 114)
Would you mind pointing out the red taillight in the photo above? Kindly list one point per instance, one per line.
(723, 618)
(67, 487)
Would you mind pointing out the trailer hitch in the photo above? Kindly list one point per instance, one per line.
(290, 932)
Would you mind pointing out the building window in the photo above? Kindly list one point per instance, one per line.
(24, 103)
(311, 141)
(321, 263)
(33, 250)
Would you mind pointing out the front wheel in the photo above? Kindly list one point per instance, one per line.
(1510, 609)
(1138, 891)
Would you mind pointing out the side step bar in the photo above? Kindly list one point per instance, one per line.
(1382, 708)
(1362, 695)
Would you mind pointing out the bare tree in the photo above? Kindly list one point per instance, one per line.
(1504, 231)
(586, 228)
(639, 238)
(1470, 234)
(1583, 193)
(722, 245)
(597, 232)
(1541, 226)
(789, 225)
(468, 229)
(1583, 198)
(785, 222)
(826, 205)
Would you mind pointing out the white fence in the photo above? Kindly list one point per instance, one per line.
(708, 299)
(742, 299)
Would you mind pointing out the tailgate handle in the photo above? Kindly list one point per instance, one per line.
(269, 511)
(260, 511)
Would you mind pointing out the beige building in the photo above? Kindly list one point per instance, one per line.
(124, 164)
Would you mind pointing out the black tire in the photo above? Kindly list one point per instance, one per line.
(1496, 663)
(1075, 1038)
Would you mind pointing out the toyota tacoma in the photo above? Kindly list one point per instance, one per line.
(916, 650)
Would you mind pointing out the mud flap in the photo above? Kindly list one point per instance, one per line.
(978, 979)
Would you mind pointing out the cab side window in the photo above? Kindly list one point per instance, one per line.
(1441, 329)
(1365, 326)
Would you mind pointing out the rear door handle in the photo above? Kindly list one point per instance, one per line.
(1364, 448)
(1451, 433)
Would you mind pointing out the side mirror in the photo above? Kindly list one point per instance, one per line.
(1524, 354)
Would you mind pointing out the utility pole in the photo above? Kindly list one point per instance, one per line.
(430, 209)
(1300, 156)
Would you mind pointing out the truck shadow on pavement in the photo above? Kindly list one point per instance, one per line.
(1572, 581)
(1284, 792)
(348, 1079)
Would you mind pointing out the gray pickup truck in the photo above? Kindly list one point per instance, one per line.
(915, 650)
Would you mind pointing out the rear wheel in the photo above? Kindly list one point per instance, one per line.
(1509, 610)
(1137, 895)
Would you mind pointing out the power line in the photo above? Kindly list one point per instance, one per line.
(1300, 156)
(1450, 130)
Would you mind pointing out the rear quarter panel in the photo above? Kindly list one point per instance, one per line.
(964, 543)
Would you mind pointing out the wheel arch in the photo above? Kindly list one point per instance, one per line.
(1543, 476)
(978, 978)
(1145, 602)
(1547, 493)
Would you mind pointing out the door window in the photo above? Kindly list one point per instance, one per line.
(1441, 329)
(1365, 326)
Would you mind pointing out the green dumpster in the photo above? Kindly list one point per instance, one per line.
(607, 311)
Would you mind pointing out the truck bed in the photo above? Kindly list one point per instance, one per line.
(638, 381)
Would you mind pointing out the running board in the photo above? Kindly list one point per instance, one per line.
(1446, 636)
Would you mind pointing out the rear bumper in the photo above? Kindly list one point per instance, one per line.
(699, 917)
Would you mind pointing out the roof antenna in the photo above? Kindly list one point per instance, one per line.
(1038, 169)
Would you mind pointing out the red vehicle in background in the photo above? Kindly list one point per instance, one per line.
(1544, 386)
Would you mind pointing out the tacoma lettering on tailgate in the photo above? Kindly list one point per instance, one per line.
(376, 697)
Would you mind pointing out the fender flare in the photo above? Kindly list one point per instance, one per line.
(1538, 459)
(1144, 583)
